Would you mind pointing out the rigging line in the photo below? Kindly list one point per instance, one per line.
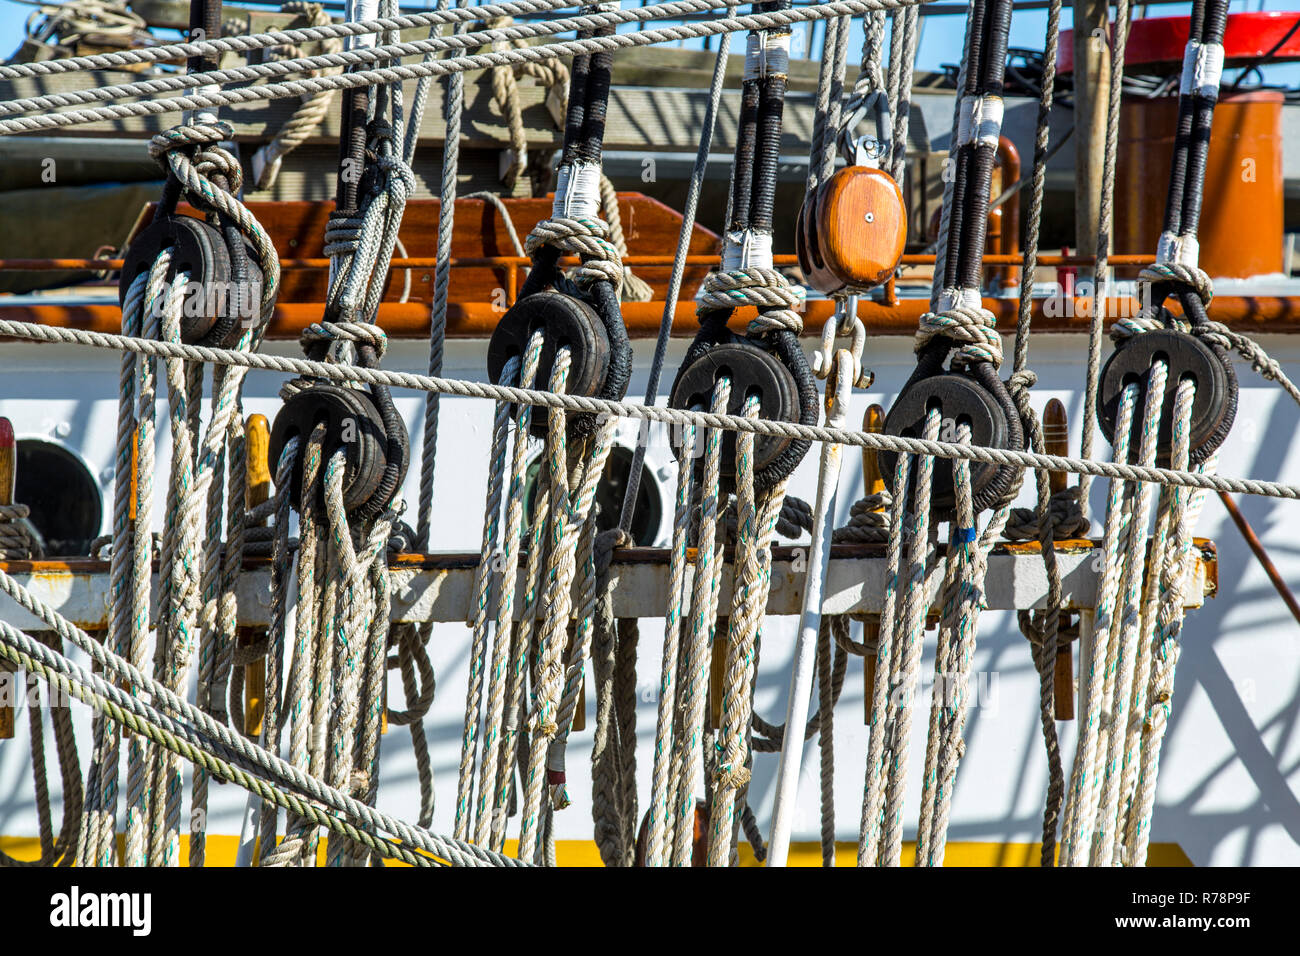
(1101, 273)
(671, 416)
(391, 50)
(452, 109)
(693, 190)
(295, 88)
(236, 44)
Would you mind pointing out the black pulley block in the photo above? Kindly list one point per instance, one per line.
(752, 371)
(196, 248)
(219, 305)
(352, 422)
(237, 307)
(564, 321)
(960, 400)
(1213, 408)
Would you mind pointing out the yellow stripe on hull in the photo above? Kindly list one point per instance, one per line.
(221, 852)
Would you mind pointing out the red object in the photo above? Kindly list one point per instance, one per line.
(1160, 41)
(6, 433)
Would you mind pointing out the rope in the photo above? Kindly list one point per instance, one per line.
(1105, 214)
(554, 75)
(598, 406)
(690, 729)
(634, 288)
(306, 119)
(399, 74)
(752, 565)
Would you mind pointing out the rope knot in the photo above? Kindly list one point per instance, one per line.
(603, 552)
(18, 539)
(1174, 277)
(778, 301)
(584, 237)
(1022, 381)
(327, 333)
(216, 161)
(868, 520)
(732, 777)
(180, 138)
(970, 329)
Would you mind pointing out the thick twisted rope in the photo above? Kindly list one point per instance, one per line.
(461, 64)
(597, 406)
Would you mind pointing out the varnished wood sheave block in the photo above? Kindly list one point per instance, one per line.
(851, 232)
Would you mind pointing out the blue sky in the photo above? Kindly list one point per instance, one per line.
(940, 40)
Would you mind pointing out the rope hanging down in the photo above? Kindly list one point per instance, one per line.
(973, 405)
(570, 330)
(1177, 371)
(345, 452)
(761, 374)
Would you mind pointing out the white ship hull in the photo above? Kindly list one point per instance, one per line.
(1231, 768)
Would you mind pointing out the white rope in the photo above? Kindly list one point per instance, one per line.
(461, 64)
(598, 406)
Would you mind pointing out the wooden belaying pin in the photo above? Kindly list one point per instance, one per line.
(257, 490)
(8, 674)
(873, 483)
(1056, 441)
(718, 672)
(579, 721)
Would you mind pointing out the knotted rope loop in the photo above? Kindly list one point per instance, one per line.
(868, 521)
(1064, 515)
(970, 330)
(316, 338)
(585, 237)
(607, 542)
(1162, 279)
(778, 301)
(192, 155)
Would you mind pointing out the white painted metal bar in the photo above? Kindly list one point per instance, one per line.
(805, 649)
(855, 583)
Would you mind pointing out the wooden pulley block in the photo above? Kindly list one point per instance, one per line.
(851, 232)
(808, 248)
